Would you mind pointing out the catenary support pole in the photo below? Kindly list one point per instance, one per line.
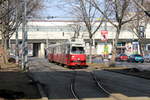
(105, 27)
(17, 45)
(105, 4)
(24, 38)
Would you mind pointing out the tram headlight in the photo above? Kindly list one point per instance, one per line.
(72, 56)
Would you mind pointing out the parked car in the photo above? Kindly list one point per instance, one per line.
(135, 58)
(147, 58)
(121, 57)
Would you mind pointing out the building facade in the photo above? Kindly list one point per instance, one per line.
(42, 33)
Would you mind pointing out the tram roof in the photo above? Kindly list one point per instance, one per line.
(75, 43)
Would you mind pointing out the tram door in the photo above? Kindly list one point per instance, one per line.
(36, 48)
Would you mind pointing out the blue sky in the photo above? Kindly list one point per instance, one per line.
(52, 8)
(55, 8)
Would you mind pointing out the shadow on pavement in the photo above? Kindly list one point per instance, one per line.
(16, 85)
(133, 72)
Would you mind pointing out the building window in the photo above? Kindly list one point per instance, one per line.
(148, 47)
(121, 44)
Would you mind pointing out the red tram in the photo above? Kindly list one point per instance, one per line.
(67, 54)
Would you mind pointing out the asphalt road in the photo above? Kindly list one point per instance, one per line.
(126, 85)
(56, 81)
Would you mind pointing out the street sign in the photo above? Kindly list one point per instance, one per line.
(104, 34)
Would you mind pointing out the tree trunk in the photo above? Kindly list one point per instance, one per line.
(5, 43)
(141, 47)
(114, 48)
(90, 51)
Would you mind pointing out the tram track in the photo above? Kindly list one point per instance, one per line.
(98, 83)
(81, 84)
(54, 83)
(102, 88)
(75, 91)
(73, 86)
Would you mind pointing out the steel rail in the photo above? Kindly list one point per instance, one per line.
(72, 86)
(98, 84)
(101, 87)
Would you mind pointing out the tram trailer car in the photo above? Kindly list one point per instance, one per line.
(67, 54)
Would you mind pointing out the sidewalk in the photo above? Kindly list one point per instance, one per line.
(14, 84)
(134, 69)
(141, 66)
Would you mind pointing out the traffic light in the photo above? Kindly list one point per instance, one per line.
(141, 31)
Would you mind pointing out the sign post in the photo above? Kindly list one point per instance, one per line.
(104, 34)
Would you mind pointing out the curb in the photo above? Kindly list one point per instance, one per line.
(38, 85)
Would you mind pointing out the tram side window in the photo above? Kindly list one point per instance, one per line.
(58, 49)
(64, 49)
(77, 50)
(148, 47)
(68, 49)
(55, 50)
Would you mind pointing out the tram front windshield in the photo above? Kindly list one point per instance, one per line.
(77, 50)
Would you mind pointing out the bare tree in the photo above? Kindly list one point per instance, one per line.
(8, 17)
(86, 13)
(8, 23)
(145, 9)
(76, 28)
(120, 13)
(141, 22)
